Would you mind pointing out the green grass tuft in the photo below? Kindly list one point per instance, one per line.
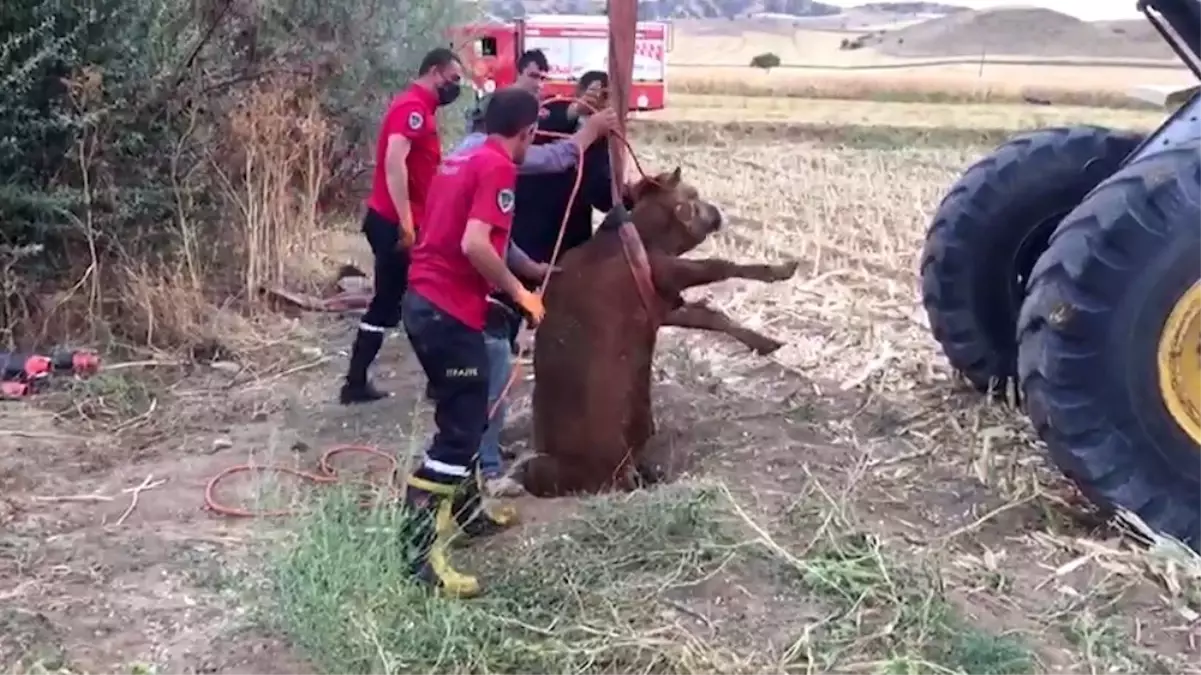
(608, 589)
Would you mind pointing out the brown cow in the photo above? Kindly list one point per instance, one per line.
(593, 351)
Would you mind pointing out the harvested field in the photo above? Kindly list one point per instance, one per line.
(912, 115)
(841, 506)
(1059, 85)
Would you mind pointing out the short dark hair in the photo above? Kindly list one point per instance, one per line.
(510, 111)
(438, 57)
(591, 76)
(534, 56)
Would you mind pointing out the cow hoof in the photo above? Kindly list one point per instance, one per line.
(768, 346)
(648, 475)
(784, 272)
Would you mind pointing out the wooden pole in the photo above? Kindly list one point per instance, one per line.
(623, 31)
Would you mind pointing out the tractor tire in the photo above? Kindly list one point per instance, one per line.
(988, 232)
(1110, 343)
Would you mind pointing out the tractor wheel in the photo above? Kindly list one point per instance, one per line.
(989, 230)
(1109, 338)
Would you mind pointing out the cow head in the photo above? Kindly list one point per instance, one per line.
(670, 215)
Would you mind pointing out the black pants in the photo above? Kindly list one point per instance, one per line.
(391, 273)
(455, 360)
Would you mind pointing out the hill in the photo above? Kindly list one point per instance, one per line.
(1019, 31)
(780, 10)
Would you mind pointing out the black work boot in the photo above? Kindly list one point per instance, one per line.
(357, 388)
(430, 531)
(360, 392)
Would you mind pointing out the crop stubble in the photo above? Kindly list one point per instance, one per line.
(941, 477)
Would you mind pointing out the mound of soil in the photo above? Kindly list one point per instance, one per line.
(1016, 32)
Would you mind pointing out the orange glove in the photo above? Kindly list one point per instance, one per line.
(531, 304)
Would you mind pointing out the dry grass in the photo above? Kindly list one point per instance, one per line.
(1066, 86)
(686, 107)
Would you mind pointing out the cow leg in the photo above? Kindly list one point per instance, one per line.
(641, 424)
(546, 476)
(648, 474)
(673, 275)
(693, 315)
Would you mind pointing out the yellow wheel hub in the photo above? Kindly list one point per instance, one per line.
(1179, 361)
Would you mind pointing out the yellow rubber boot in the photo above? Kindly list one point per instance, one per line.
(433, 529)
(477, 519)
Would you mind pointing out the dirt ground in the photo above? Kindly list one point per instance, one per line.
(92, 582)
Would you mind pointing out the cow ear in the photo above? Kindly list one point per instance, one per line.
(641, 189)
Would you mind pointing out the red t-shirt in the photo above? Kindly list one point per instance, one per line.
(476, 185)
(411, 114)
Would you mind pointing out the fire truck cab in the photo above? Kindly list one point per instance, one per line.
(573, 44)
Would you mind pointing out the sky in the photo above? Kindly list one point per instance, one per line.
(1089, 10)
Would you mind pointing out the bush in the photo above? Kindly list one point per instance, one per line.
(766, 61)
(155, 150)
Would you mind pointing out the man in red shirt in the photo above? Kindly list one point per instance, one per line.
(407, 154)
(458, 260)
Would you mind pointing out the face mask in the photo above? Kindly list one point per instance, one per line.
(448, 92)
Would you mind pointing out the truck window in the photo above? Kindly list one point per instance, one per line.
(486, 46)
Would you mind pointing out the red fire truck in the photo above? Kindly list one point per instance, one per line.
(573, 44)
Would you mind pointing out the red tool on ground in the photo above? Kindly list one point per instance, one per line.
(19, 373)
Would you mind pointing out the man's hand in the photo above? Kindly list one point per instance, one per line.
(407, 238)
(594, 127)
(543, 270)
(602, 122)
(589, 102)
(531, 304)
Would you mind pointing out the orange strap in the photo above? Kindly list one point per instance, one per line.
(640, 267)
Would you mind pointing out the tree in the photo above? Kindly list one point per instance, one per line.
(766, 61)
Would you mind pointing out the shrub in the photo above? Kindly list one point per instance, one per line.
(181, 143)
(766, 61)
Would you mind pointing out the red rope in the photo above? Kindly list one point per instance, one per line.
(623, 31)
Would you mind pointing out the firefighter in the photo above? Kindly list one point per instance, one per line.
(408, 152)
(455, 265)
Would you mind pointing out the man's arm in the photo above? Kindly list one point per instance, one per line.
(471, 141)
(554, 157)
(476, 245)
(491, 207)
(563, 155)
(522, 264)
(396, 174)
